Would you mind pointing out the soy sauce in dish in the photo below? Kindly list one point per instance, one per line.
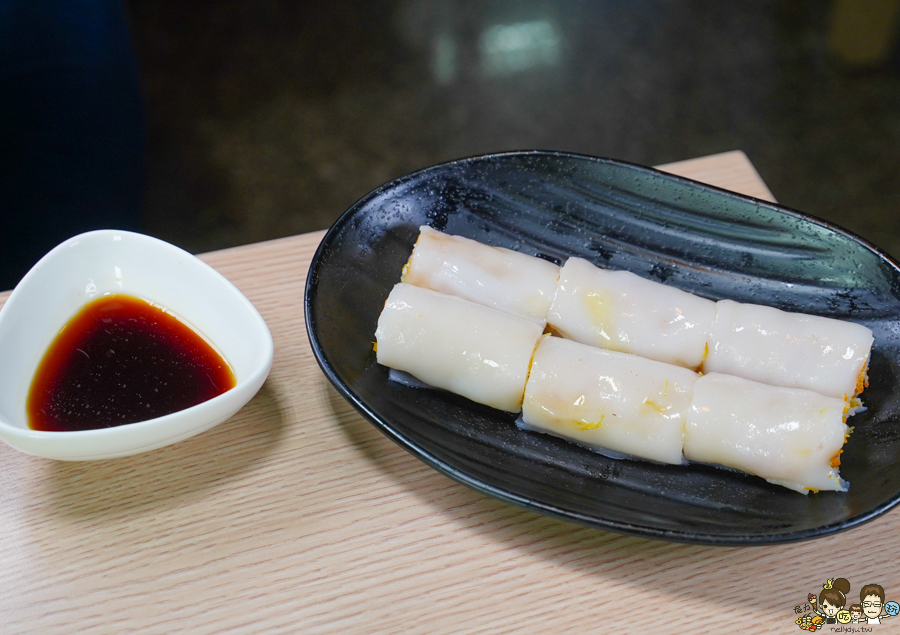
(120, 360)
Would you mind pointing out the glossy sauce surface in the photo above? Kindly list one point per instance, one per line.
(120, 360)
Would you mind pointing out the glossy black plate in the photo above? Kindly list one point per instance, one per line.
(691, 236)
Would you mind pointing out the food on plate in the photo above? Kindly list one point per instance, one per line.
(609, 400)
(620, 311)
(451, 343)
(788, 436)
(500, 278)
(789, 349)
(469, 318)
(121, 360)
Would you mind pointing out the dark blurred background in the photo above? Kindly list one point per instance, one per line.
(269, 118)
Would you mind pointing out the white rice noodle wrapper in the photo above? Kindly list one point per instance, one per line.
(789, 349)
(607, 399)
(506, 280)
(450, 343)
(788, 436)
(620, 311)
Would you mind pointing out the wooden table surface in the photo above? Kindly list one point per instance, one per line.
(298, 516)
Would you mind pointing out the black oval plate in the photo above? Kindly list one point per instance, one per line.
(698, 238)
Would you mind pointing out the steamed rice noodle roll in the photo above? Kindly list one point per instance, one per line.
(788, 436)
(789, 349)
(451, 343)
(608, 400)
(503, 279)
(620, 311)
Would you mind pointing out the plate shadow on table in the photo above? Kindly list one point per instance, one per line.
(642, 563)
(109, 490)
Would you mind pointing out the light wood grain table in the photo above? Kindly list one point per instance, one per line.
(298, 516)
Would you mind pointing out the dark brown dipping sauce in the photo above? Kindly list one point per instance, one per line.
(122, 360)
